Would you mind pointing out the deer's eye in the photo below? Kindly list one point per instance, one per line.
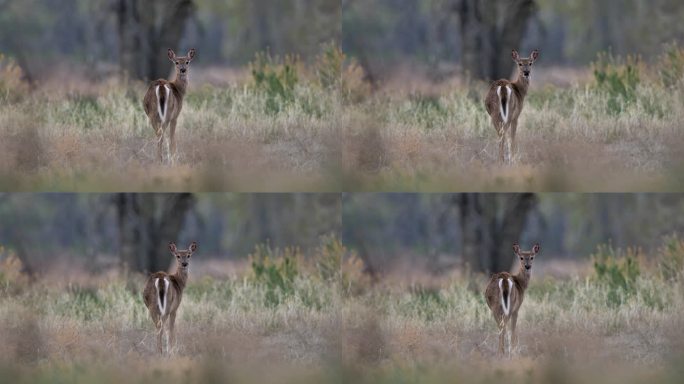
(521, 259)
(187, 62)
(177, 63)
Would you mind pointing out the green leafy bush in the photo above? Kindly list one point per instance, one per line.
(329, 66)
(275, 270)
(618, 79)
(276, 78)
(671, 258)
(671, 66)
(336, 264)
(617, 271)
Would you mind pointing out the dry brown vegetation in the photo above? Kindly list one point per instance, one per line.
(287, 126)
(612, 127)
(72, 134)
(290, 319)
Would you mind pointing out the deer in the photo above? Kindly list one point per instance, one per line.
(505, 293)
(163, 293)
(163, 103)
(504, 103)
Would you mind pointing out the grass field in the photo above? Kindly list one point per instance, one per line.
(320, 319)
(281, 125)
(613, 127)
(274, 133)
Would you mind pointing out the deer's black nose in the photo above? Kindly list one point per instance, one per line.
(526, 73)
(183, 70)
(184, 264)
(528, 266)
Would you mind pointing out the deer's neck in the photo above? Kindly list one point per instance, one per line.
(523, 277)
(522, 84)
(181, 277)
(181, 84)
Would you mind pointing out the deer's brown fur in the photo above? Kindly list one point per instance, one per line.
(163, 103)
(504, 299)
(163, 293)
(504, 103)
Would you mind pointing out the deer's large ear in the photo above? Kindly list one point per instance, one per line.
(172, 55)
(536, 248)
(193, 246)
(516, 248)
(172, 247)
(535, 55)
(515, 55)
(191, 54)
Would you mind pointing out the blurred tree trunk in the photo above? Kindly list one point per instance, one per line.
(147, 28)
(489, 31)
(490, 224)
(147, 223)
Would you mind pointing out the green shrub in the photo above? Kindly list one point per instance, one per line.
(276, 78)
(671, 66)
(84, 303)
(12, 88)
(617, 271)
(618, 79)
(336, 264)
(275, 270)
(671, 258)
(329, 66)
(426, 302)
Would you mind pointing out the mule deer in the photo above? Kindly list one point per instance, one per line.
(504, 102)
(163, 102)
(163, 293)
(505, 293)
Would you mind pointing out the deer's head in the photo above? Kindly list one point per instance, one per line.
(525, 64)
(526, 257)
(183, 256)
(182, 63)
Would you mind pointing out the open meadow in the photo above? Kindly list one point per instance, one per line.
(613, 126)
(250, 132)
(282, 317)
(283, 125)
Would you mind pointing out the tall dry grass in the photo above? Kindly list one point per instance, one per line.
(614, 129)
(290, 319)
(73, 135)
(281, 125)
